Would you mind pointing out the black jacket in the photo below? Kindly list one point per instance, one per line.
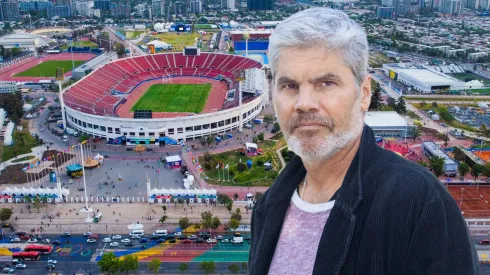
(392, 217)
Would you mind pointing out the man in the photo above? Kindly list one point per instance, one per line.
(344, 205)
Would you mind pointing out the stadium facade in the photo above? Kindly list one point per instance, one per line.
(91, 104)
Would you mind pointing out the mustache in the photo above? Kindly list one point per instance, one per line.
(305, 118)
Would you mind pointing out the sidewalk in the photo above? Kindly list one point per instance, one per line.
(71, 219)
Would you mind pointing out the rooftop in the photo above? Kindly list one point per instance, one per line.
(386, 119)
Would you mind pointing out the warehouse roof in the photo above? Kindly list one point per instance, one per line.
(386, 119)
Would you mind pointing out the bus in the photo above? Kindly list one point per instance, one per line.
(43, 249)
(33, 255)
(98, 217)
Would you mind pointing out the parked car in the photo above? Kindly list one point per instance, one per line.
(56, 242)
(25, 237)
(106, 240)
(50, 266)
(20, 266)
(193, 237)
(211, 240)
(484, 242)
(8, 270)
(32, 240)
(199, 240)
(187, 241)
(52, 261)
(15, 240)
(86, 234)
(219, 237)
(143, 240)
(66, 234)
(91, 240)
(126, 241)
(116, 237)
(114, 244)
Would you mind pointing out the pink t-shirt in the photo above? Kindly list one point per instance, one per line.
(300, 235)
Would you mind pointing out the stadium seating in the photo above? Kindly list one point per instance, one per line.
(95, 94)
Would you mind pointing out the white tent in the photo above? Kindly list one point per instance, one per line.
(251, 145)
(99, 158)
(159, 44)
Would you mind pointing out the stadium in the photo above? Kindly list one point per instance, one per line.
(165, 98)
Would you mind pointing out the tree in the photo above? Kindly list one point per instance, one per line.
(375, 96)
(416, 132)
(120, 50)
(215, 223)
(437, 165)
(445, 114)
(163, 219)
(129, 263)
(434, 104)
(401, 106)
(277, 127)
(260, 136)
(255, 139)
(5, 214)
(391, 102)
(231, 50)
(208, 267)
(486, 170)
(223, 199)
(236, 215)
(184, 223)
(154, 265)
(233, 224)
(183, 267)
(477, 170)
(37, 203)
(233, 268)
(164, 209)
(109, 263)
(229, 206)
(463, 169)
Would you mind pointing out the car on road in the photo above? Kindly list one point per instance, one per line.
(143, 240)
(187, 241)
(56, 242)
(211, 240)
(193, 237)
(20, 266)
(116, 237)
(91, 240)
(106, 240)
(225, 240)
(15, 240)
(50, 266)
(128, 244)
(47, 241)
(247, 238)
(86, 234)
(219, 237)
(8, 270)
(66, 234)
(32, 241)
(52, 262)
(42, 130)
(125, 240)
(94, 236)
(25, 237)
(114, 244)
(484, 242)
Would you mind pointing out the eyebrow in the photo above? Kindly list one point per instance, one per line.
(322, 78)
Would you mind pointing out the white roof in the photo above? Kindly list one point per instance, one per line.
(158, 43)
(426, 76)
(171, 191)
(250, 145)
(386, 119)
(172, 158)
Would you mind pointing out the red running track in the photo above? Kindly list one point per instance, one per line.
(8, 73)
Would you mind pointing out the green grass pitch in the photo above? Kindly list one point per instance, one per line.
(48, 68)
(174, 98)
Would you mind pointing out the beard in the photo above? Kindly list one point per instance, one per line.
(322, 144)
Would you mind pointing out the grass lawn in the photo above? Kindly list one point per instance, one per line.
(256, 176)
(23, 159)
(23, 142)
(432, 99)
(81, 44)
(179, 40)
(174, 98)
(468, 76)
(133, 34)
(48, 68)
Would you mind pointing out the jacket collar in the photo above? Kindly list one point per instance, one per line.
(337, 232)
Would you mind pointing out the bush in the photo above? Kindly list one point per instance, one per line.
(261, 136)
(260, 162)
(207, 166)
(434, 104)
(241, 167)
(207, 156)
(232, 173)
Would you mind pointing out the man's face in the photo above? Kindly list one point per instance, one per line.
(318, 102)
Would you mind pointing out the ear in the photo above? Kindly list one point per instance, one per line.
(365, 91)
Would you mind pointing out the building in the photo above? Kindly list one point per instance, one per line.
(385, 12)
(387, 3)
(402, 7)
(3, 114)
(10, 10)
(195, 6)
(60, 11)
(265, 24)
(482, 4)
(93, 64)
(35, 5)
(84, 8)
(27, 41)
(430, 149)
(120, 10)
(260, 4)
(422, 78)
(230, 4)
(103, 5)
(8, 87)
(451, 6)
(158, 8)
(388, 124)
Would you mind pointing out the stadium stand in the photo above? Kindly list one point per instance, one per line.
(102, 90)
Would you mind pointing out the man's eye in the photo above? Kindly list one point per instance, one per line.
(328, 84)
(288, 87)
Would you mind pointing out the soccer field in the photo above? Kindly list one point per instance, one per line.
(174, 98)
(48, 68)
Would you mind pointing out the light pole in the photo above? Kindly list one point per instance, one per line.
(87, 210)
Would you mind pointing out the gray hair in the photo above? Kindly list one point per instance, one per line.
(326, 28)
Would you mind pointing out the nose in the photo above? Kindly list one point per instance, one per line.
(306, 101)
